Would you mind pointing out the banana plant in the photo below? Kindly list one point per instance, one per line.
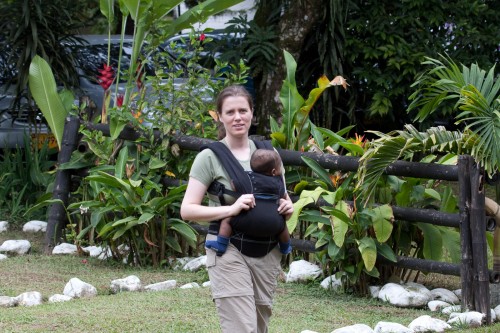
(296, 127)
(132, 209)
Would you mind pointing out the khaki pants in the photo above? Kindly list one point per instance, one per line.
(243, 288)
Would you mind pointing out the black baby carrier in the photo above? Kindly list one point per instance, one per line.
(255, 230)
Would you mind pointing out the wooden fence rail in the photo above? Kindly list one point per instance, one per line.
(471, 219)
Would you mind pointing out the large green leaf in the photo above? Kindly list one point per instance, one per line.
(386, 251)
(340, 226)
(44, 90)
(116, 126)
(109, 180)
(451, 242)
(188, 233)
(291, 100)
(297, 209)
(368, 251)
(340, 229)
(301, 121)
(107, 9)
(433, 241)
(382, 218)
(306, 197)
(318, 170)
(121, 163)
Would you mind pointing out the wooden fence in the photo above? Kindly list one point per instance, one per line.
(471, 219)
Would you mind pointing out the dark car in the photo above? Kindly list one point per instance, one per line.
(21, 120)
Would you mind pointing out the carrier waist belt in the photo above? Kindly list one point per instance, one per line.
(248, 245)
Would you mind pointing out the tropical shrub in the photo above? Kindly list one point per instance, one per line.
(350, 232)
(124, 201)
(27, 175)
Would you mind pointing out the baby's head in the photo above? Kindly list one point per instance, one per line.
(266, 161)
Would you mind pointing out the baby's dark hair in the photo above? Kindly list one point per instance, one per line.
(264, 161)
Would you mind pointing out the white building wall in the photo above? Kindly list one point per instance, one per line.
(219, 21)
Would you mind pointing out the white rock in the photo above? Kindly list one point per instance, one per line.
(450, 309)
(16, 246)
(30, 298)
(3, 256)
(190, 285)
(206, 284)
(445, 295)
(76, 288)
(195, 264)
(178, 263)
(457, 314)
(56, 298)
(7, 302)
(471, 319)
(35, 226)
(302, 271)
(458, 292)
(130, 283)
(437, 305)
(374, 290)
(98, 252)
(357, 328)
(426, 323)
(64, 248)
(406, 295)
(331, 283)
(497, 312)
(4, 225)
(160, 286)
(388, 327)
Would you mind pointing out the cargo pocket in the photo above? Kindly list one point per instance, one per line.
(210, 257)
(211, 254)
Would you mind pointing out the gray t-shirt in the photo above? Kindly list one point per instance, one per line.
(206, 168)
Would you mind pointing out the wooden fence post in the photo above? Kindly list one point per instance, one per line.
(481, 283)
(57, 213)
(464, 163)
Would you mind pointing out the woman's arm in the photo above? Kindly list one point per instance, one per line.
(193, 210)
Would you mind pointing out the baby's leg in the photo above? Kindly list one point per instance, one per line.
(284, 241)
(225, 227)
(220, 245)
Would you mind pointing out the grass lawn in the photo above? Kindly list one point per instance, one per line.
(297, 306)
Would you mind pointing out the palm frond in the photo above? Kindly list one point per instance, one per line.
(477, 106)
(402, 145)
(373, 163)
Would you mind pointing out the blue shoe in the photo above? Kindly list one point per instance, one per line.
(219, 246)
(285, 248)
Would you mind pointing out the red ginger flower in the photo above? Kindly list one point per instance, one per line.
(107, 76)
(119, 100)
(202, 37)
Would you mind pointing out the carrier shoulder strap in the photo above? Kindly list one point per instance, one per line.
(238, 176)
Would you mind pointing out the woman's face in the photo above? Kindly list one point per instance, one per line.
(236, 116)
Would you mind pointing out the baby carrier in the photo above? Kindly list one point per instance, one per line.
(254, 230)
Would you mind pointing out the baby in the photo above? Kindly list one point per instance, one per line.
(268, 187)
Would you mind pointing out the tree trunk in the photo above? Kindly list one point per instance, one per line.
(295, 24)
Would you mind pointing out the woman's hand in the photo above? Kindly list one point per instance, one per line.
(286, 207)
(244, 202)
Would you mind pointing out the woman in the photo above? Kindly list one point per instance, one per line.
(242, 285)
